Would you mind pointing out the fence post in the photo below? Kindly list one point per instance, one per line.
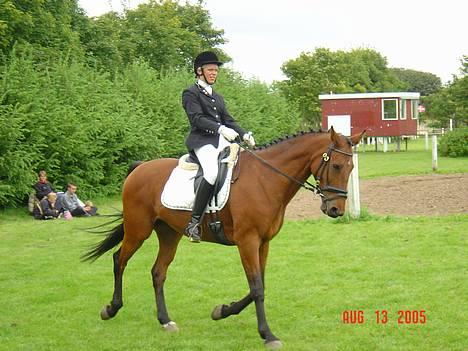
(426, 138)
(354, 201)
(434, 152)
(385, 144)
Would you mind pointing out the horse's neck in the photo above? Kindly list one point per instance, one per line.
(293, 157)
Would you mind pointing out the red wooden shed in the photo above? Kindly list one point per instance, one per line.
(380, 114)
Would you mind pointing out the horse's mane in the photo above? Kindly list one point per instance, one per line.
(287, 137)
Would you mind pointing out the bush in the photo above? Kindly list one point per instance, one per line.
(455, 143)
(87, 126)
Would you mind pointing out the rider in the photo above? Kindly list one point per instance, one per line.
(211, 129)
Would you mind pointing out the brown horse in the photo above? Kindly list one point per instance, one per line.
(267, 180)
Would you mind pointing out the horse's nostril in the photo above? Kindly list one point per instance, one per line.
(334, 212)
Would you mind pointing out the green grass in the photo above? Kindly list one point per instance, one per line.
(415, 161)
(317, 270)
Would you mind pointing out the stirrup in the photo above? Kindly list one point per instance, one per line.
(193, 232)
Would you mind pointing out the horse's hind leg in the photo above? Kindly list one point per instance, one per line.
(130, 244)
(168, 242)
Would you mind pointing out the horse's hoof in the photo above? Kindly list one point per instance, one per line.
(273, 345)
(104, 314)
(171, 327)
(216, 314)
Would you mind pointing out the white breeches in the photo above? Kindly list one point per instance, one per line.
(208, 157)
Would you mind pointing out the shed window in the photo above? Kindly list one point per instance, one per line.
(390, 109)
(402, 109)
(414, 109)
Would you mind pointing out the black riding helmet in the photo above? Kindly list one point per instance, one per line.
(205, 58)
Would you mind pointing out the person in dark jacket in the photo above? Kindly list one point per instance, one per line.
(43, 187)
(45, 209)
(212, 128)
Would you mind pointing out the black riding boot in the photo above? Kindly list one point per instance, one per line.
(204, 194)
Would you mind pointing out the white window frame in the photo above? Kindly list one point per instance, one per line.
(403, 111)
(414, 109)
(396, 110)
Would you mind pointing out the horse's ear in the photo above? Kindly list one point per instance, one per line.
(356, 138)
(333, 135)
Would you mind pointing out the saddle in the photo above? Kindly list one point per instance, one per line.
(227, 156)
(179, 191)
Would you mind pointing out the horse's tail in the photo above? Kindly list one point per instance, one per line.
(113, 238)
(133, 166)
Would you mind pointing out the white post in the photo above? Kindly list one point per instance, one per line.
(354, 201)
(451, 124)
(385, 144)
(434, 152)
(426, 137)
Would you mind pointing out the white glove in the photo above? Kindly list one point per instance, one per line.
(249, 139)
(228, 133)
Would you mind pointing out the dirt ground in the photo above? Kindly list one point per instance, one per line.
(436, 194)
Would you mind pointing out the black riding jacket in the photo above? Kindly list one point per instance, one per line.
(206, 114)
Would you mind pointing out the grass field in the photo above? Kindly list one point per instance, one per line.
(415, 161)
(317, 270)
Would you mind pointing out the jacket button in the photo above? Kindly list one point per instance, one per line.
(214, 107)
(212, 100)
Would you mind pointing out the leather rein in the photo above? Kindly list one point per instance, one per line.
(324, 165)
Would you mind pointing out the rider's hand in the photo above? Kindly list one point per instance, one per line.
(228, 133)
(249, 139)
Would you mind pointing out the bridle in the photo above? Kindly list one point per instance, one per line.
(324, 166)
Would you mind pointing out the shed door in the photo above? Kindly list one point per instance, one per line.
(340, 123)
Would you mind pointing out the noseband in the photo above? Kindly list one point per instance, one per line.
(325, 165)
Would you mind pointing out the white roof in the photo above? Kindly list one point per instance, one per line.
(400, 94)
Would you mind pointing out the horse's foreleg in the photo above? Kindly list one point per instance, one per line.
(224, 311)
(168, 241)
(252, 262)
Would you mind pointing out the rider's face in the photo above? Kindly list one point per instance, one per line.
(210, 73)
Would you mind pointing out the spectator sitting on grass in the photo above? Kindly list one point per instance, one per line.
(69, 201)
(45, 209)
(43, 186)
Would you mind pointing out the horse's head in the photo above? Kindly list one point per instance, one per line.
(333, 172)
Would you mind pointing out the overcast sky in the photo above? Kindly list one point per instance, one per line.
(428, 36)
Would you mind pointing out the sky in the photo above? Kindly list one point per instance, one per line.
(424, 35)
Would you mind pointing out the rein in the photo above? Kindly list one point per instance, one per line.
(316, 189)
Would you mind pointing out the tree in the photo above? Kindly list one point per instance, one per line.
(47, 25)
(324, 71)
(450, 102)
(161, 32)
(422, 82)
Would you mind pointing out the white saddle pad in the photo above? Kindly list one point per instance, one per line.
(178, 193)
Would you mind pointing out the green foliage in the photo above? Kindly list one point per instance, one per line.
(422, 82)
(43, 24)
(311, 74)
(85, 125)
(163, 33)
(451, 102)
(455, 143)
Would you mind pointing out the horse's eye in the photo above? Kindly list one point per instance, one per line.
(337, 166)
